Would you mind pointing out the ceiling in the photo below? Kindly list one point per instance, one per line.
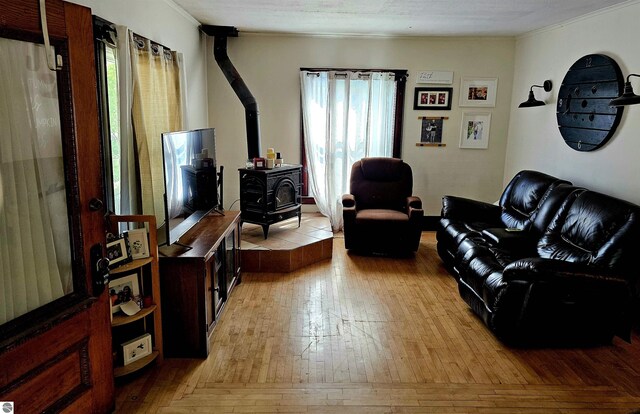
(391, 17)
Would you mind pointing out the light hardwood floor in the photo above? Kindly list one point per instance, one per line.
(377, 335)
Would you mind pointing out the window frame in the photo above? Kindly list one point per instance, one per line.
(103, 31)
(401, 84)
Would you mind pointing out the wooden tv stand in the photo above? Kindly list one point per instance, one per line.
(196, 283)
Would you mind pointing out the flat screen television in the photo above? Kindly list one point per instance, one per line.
(190, 180)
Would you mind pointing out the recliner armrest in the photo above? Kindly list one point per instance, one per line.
(511, 239)
(470, 210)
(414, 208)
(348, 209)
(539, 269)
(348, 200)
(414, 202)
(415, 213)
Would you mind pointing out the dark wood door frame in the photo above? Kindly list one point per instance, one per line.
(59, 357)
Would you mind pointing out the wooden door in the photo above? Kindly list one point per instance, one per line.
(57, 357)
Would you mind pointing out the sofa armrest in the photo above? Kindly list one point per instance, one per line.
(547, 270)
(348, 200)
(465, 209)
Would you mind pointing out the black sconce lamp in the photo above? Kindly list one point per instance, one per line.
(532, 101)
(628, 97)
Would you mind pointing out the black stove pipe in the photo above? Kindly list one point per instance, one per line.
(252, 120)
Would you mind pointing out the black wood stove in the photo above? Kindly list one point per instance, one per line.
(268, 196)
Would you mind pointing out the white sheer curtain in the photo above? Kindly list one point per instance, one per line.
(346, 116)
(129, 193)
(35, 256)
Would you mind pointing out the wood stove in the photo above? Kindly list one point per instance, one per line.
(268, 196)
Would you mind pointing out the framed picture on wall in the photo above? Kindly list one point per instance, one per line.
(432, 98)
(478, 92)
(474, 132)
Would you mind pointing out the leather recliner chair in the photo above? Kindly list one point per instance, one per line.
(380, 214)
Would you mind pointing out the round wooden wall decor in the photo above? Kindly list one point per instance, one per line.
(585, 119)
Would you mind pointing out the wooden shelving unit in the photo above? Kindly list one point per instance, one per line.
(121, 371)
(119, 319)
(128, 267)
(155, 310)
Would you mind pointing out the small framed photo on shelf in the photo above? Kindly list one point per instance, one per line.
(123, 290)
(478, 92)
(136, 348)
(474, 132)
(118, 252)
(432, 98)
(138, 243)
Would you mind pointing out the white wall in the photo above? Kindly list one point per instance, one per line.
(166, 23)
(270, 64)
(534, 139)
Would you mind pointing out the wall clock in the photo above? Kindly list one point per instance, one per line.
(585, 119)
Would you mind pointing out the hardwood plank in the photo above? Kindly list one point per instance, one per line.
(378, 335)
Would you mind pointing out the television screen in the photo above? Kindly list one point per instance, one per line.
(190, 179)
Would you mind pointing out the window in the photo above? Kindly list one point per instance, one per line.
(141, 95)
(347, 115)
(114, 122)
(107, 67)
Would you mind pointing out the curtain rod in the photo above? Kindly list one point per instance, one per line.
(354, 70)
(153, 42)
(400, 74)
(105, 30)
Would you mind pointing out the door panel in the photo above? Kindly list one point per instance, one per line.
(58, 357)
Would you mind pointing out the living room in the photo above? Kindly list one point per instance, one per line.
(444, 358)
(520, 139)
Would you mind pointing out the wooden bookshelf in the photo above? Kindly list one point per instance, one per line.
(150, 267)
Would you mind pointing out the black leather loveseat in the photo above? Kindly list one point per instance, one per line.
(551, 264)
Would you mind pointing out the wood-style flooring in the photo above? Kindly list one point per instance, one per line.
(376, 335)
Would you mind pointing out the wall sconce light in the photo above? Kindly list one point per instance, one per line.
(628, 97)
(532, 101)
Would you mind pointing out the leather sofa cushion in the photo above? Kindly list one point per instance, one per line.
(592, 228)
(380, 182)
(454, 232)
(521, 198)
(481, 266)
(478, 270)
(377, 215)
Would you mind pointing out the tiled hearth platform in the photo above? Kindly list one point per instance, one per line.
(288, 247)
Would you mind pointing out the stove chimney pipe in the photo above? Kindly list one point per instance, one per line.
(220, 35)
